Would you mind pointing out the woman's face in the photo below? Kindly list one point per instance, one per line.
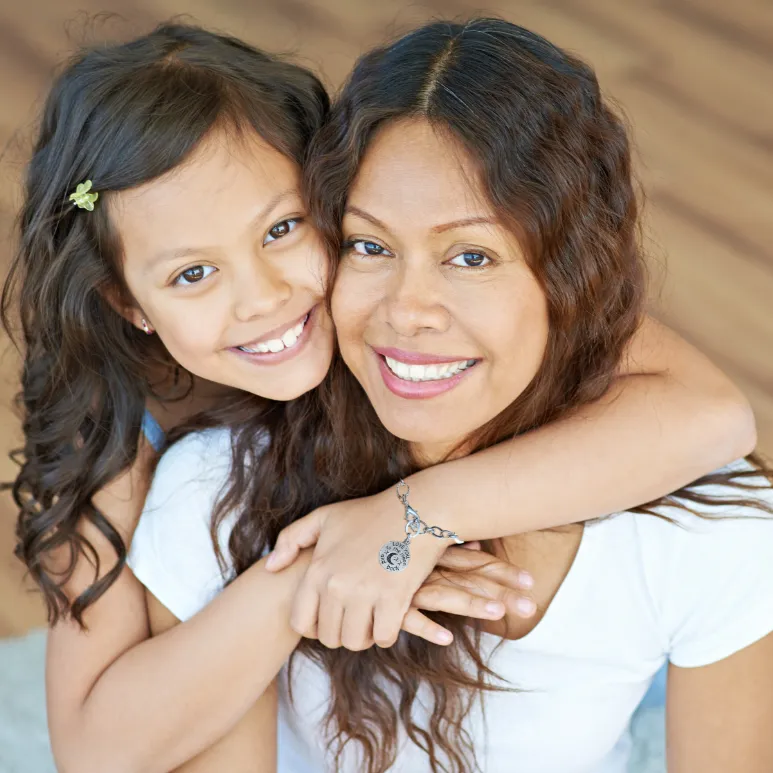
(222, 263)
(438, 315)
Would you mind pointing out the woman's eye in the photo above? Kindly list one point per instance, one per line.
(193, 274)
(470, 260)
(281, 229)
(363, 247)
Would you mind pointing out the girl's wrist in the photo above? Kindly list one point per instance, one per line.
(432, 497)
(424, 537)
(287, 580)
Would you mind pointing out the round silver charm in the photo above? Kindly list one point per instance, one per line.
(394, 556)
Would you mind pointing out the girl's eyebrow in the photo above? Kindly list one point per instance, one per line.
(175, 253)
(442, 227)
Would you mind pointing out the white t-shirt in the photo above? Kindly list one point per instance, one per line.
(640, 591)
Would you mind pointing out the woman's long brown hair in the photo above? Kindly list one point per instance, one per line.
(555, 163)
(121, 116)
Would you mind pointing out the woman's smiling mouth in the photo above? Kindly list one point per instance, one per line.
(414, 375)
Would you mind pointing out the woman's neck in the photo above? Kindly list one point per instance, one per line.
(430, 454)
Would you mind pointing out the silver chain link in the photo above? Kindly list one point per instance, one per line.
(414, 526)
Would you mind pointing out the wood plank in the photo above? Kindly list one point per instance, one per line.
(725, 75)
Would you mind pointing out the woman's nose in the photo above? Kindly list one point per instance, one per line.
(415, 304)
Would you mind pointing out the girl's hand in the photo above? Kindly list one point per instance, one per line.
(468, 583)
(346, 597)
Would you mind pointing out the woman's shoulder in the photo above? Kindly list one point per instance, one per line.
(705, 566)
(741, 503)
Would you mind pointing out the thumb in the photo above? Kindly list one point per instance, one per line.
(303, 533)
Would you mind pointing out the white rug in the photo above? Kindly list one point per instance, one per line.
(24, 739)
(23, 734)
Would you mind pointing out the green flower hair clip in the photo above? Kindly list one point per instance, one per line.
(82, 198)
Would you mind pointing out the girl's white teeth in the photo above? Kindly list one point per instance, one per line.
(288, 340)
(426, 372)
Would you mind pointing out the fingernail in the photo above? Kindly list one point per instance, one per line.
(271, 560)
(526, 607)
(495, 608)
(525, 580)
(444, 637)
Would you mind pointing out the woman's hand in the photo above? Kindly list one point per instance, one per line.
(468, 583)
(347, 598)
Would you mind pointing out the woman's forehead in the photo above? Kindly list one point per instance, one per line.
(411, 168)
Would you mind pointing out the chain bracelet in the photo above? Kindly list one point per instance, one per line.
(414, 525)
(394, 556)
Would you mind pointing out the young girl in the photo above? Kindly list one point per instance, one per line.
(481, 189)
(163, 234)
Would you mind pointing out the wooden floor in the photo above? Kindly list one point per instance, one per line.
(694, 77)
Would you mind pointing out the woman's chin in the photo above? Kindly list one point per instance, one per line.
(428, 438)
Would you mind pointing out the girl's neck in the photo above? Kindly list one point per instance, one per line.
(182, 398)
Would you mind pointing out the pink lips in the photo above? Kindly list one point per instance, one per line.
(416, 358)
(417, 390)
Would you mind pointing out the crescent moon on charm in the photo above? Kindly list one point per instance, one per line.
(394, 556)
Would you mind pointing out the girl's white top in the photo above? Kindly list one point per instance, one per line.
(641, 590)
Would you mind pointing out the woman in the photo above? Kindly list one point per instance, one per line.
(482, 191)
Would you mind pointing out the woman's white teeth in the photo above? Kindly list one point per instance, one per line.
(288, 340)
(427, 372)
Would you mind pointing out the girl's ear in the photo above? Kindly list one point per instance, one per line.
(127, 309)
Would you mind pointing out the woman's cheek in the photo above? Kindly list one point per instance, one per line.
(349, 305)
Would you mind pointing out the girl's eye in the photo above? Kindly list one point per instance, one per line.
(364, 247)
(281, 229)
(193, 274)
(470, 260)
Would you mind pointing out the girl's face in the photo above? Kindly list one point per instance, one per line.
(438, 315)
(222, 263)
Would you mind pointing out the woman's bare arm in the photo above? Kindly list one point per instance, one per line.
(671, 417)
(719, 717)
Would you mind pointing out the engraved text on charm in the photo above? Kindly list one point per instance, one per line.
(394, 556)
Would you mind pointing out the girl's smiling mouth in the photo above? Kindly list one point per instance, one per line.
(281, 344)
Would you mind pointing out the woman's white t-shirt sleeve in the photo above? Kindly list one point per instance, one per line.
(711, 580)
(171, 552)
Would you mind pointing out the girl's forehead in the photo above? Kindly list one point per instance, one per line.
(220, 167)
(225, 190)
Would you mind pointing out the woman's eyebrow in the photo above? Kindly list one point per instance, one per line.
(466, 221)
(361, 213)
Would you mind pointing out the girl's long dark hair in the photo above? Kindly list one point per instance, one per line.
(555, 163)
(121, 116)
